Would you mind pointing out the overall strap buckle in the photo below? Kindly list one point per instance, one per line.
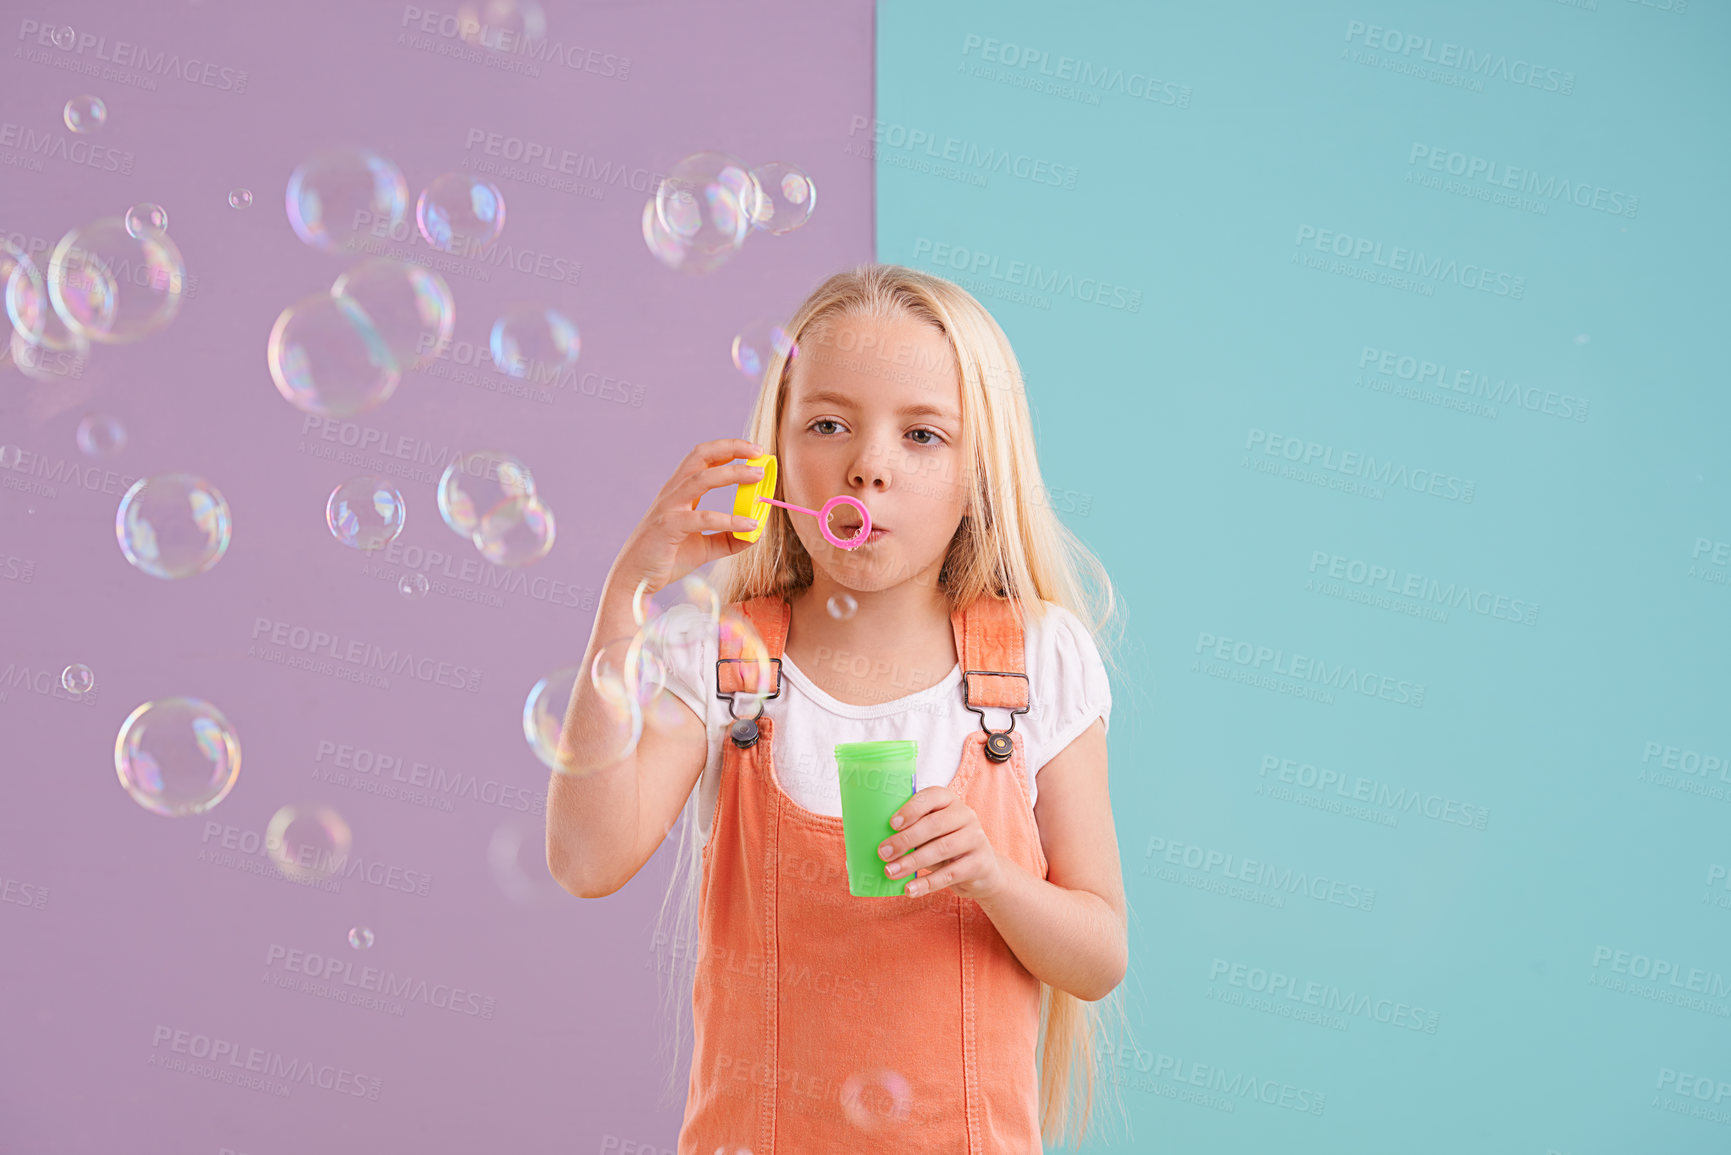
(999, 745)
(743, 731)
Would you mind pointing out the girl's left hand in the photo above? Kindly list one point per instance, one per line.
(945, 835)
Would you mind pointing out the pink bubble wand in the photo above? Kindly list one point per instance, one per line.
(822, 515)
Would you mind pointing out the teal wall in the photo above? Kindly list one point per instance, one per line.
(1401, 423)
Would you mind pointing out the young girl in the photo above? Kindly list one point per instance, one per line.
(826, 1022)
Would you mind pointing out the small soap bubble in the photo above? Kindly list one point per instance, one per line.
(365, 513)
(177, 756)
(476, 483)
(517, 532)
(459, 213)
(308, 843)
(413, 585)
(78, 678)
(85, 113)
(757, 343)
(145, 220)
(240, 198)
(100, 435)
(876, 1100)
(841, 606)
(172, 525)
(536, 343)
(361, 937)
(787, 200)
(64, 36)
(327, 358)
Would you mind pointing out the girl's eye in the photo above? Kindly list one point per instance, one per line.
(931, 433)
(823, 421)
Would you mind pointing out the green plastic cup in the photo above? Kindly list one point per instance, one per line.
(877, 779)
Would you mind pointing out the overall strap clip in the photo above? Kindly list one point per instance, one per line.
(743, 731)
(999, 745)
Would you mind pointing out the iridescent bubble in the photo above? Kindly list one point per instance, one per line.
(618, 714)
(459, 213)
(173, 525)
(517, 532)
(789, 196)
(85, 113)
(476, 483)
(339, 196)
(100, 435)
(707, 201)
(410, 307)
(326, 357)
(113, 287)
(308, 843)
(26, 295)
(78, 678)
(876, 1100)
(59, 355)
(361, 937)
(502, 24)
(535, 343)
(143, 220)
(10, 456)
(240, 198)
(177, 756)
(757, 344)
(365, 513)
(64, 36)
(413, 585)
(670, 251)
(841, 606)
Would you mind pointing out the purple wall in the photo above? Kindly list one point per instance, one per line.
(121, 929)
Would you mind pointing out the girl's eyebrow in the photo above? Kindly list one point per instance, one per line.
(906, 411)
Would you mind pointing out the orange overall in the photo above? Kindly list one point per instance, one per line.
(805, 995)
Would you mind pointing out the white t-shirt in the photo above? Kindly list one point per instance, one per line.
(1068, 689)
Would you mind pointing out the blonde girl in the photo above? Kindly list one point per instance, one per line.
(969, 1014)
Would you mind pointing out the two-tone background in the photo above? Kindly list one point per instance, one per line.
(1376, 347)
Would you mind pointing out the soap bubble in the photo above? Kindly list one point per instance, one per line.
(240, 198)
(519, 531)
(100, 435)
(875, 1100)
(502, 24)
(459, 213)
(59, 354)
(113, 287)
(476, 483)
(308, 843)
(85, 113)
(63, 36)
(361, 937)
(536, 343)
(789, 196)
(26, 296)
(410, 307)
(757, 343)
(326, 357)
(707, 201)
(673, 253)
(620, 714)
(173, 525)
(413, 585)
(338, 196)
(841, 606)
(365, 513)
(78, 678)
(177, 756)
(146, 219)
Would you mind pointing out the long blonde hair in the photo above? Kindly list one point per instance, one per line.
(1010, 543)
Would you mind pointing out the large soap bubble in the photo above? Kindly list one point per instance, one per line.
(338, 196)
(177, 756)
(112, 287)
(173, 525)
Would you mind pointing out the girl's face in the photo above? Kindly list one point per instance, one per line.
(874, 411)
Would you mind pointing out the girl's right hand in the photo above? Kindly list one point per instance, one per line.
(669, 542)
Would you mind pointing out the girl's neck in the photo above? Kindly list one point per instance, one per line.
(909, 619)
